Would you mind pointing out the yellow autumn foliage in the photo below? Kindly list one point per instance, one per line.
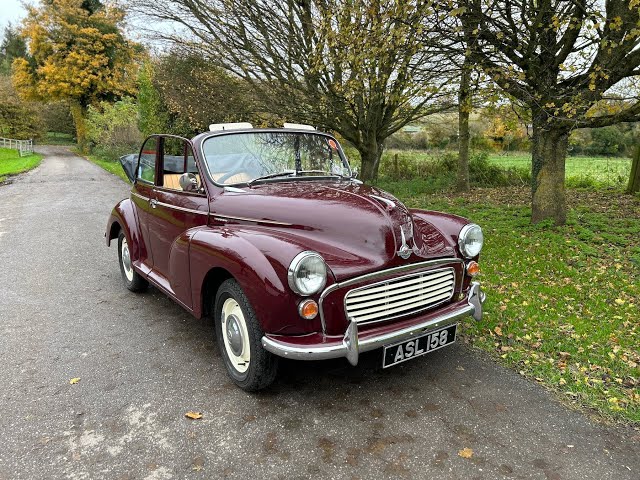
(77, 55)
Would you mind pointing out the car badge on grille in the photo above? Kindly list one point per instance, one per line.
(405, 251)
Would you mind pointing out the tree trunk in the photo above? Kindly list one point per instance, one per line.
(549, 152)
(464, 109)
(79, 114)
(634, 178)
(370, 154)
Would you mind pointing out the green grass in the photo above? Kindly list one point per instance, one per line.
(604, 171)
(562, 302)
(581, 171)
(110, 166)
(11, 163)
(56, 138)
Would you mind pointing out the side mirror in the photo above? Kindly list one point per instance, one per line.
(189, 182)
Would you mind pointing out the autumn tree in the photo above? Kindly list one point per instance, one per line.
(361, 69)
(563, 59)
(78, 54)
(200, 92)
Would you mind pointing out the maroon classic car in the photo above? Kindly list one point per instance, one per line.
(269, 232)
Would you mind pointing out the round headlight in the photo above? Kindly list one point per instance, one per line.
(307, 273)
(470, 240)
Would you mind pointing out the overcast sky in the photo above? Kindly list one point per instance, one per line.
(10, 11)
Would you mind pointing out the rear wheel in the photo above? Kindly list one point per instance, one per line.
(239, 338)
(132, 279)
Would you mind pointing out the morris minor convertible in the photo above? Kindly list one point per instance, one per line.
(270, 233)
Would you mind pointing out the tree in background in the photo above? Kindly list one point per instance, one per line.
(13, 46)
(361, 69)
(201, 93)
(153, 115)
(562, 59)
(18, 119)
(78, 53)
(112, 128)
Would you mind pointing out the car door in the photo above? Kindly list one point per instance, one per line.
(141, 194)
(175, 209)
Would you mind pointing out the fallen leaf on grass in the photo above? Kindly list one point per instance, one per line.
(498, 331)
(466, 453)
(73, 381)
(193, 415)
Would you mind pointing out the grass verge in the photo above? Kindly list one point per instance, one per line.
(562, 302)
(11, 163)
(110, 166)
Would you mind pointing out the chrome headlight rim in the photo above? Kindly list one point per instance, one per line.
(462, 237)
(293, 269)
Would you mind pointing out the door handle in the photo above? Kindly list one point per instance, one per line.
(153, 202)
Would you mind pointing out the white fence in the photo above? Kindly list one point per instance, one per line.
(24, 147)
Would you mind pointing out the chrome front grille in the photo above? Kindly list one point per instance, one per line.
(400, 296)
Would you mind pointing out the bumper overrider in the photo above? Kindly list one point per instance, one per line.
(352, 344)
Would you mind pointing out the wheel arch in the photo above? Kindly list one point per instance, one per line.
(210, 285)
(123, 218)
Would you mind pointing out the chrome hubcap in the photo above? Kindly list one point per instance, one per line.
(126, 260)
(234, 335)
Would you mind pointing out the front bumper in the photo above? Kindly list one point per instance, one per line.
(351, 344)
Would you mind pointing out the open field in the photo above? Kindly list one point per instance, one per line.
(56, 138)
(606, 170)
(562, 302)
(581, 171)
(11, 163)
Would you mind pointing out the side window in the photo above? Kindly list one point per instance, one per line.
(179, 171)
(147, 164)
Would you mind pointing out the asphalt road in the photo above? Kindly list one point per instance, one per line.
(143, 362)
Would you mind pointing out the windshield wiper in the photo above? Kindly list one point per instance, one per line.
(286, 173)
(330, 174)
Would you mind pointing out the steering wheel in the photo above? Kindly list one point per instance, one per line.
(226, 176)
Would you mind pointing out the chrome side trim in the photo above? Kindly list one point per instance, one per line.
(224, 218)
(351, 345)
(142, 197)
(182, 209)
(377, 274)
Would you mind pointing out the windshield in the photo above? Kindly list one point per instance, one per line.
(245, 157)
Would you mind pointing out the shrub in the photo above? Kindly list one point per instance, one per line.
(18, 119)
(112, 128)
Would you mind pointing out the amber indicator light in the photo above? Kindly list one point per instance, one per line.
(473, 269)
(308, 309)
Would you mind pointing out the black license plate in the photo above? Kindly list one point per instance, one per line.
(418, 346)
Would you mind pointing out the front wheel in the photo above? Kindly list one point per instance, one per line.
(132, 279)
(239, 338)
